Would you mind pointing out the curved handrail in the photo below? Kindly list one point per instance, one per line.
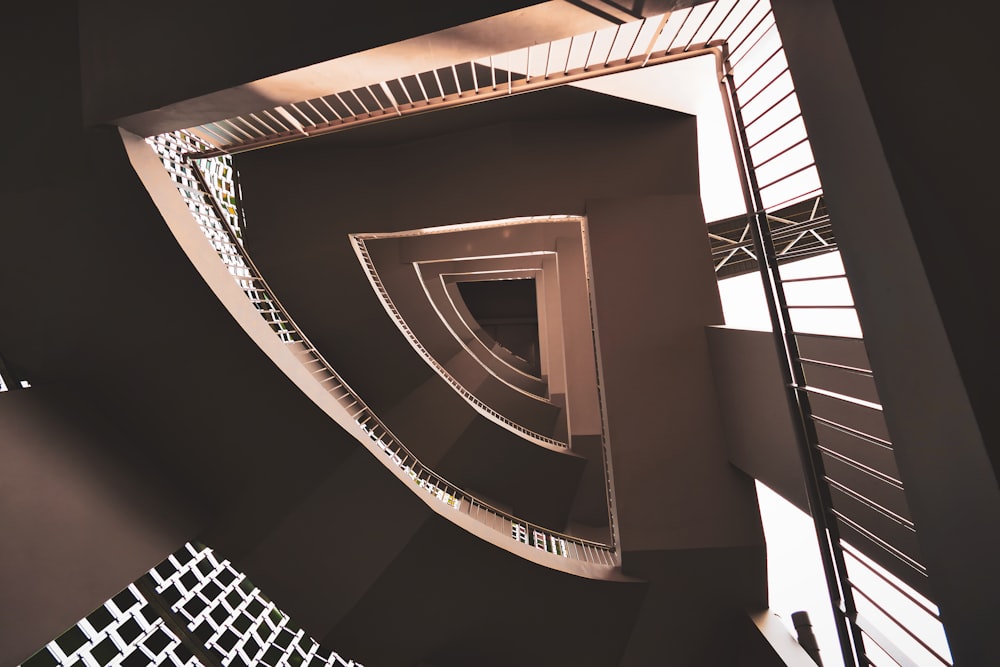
(173, 149)
(464, 333)
(383, 295)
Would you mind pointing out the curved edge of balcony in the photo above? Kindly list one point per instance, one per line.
(190, 238)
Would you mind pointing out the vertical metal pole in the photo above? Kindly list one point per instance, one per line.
(827, 535)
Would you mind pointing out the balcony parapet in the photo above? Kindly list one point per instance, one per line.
(178, 187)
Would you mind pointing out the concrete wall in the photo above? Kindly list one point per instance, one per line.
(78, 525)
(760, 439)
(135, 365)
(674, 484)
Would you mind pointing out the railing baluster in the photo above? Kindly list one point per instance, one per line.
(586, 62)
(611, 48)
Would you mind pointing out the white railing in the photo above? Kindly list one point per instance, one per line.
(482, 408)
(633, 45)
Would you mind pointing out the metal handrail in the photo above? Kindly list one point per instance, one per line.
(294, 121)
(253, 284)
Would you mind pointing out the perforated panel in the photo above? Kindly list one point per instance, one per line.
(221, 614)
